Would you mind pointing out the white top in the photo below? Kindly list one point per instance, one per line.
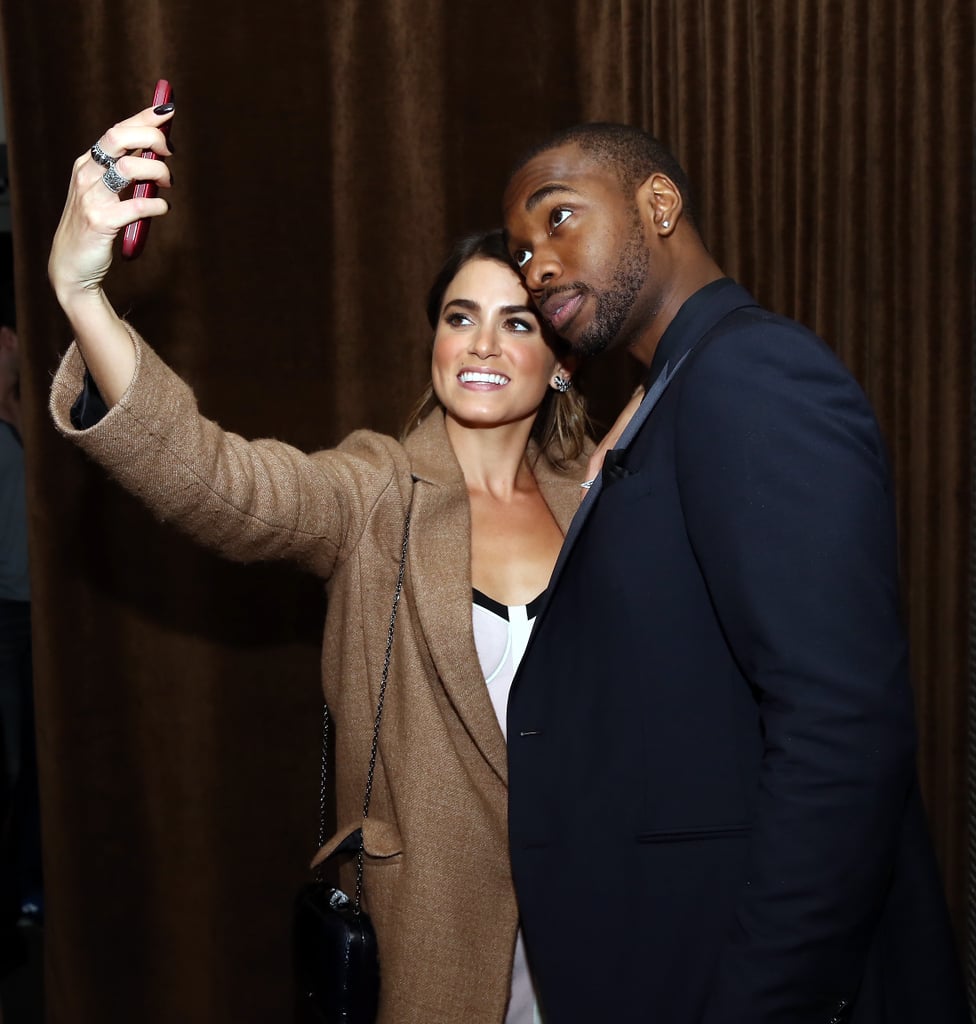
(501, 633)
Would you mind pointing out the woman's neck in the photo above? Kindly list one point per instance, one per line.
(492, 458)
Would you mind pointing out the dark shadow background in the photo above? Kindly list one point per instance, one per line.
(326, 154)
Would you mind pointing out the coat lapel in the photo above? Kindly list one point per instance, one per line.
(439, 560)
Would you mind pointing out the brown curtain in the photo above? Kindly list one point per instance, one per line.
(326, 155)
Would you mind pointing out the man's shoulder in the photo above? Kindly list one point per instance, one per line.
(752, 339)
(762, 322)
(764, 370)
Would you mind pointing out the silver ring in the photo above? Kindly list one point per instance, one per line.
(101, 157)
(114, 181)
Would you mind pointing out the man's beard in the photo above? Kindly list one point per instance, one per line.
(613, 306)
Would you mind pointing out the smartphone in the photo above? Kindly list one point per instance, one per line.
(135, 234)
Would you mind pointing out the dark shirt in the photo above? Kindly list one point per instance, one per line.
(89, 406)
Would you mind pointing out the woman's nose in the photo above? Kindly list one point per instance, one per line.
(485, 342)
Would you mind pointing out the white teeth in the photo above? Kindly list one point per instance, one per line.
(475, 377)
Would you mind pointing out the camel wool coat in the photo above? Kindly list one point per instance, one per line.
(437, 877)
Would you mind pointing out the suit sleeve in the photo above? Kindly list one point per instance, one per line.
(786, 496)
(248, 500)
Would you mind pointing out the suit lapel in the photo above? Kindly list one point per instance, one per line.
(694, 321)
(630, 432)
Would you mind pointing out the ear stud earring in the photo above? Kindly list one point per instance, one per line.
(561, 384)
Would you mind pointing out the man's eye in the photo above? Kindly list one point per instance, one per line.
(558, 215)
(521, 257)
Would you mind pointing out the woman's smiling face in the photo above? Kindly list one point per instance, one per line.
(491, 363)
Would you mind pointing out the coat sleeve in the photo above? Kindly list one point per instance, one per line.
(786, 496)
(248, 500)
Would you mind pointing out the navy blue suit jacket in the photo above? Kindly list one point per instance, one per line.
(714, 811)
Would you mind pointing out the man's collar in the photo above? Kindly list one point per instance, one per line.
(699, 312)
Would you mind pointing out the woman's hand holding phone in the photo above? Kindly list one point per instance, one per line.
(94, 212)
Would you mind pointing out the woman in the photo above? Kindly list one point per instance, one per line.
(490, 476)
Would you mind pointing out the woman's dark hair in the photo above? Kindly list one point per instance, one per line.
(561, 425)
(487, 245)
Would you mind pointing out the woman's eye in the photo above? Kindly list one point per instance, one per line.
(558, 215)
(521, 257)
(457, 320)
(521, 326)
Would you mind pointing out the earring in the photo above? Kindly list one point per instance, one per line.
(665, 224)
(561, 384)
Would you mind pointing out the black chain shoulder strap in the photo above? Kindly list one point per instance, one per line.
(323, 794)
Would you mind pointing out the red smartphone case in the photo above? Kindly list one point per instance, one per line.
(135, 234)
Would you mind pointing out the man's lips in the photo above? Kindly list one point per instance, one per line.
(560, 308)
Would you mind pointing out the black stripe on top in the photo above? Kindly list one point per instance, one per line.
(501, 610)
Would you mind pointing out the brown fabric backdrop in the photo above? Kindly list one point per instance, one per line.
(326, 155)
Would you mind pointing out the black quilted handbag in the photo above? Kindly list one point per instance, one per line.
(337, 968)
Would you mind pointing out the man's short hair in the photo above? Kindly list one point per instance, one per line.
(630, 154)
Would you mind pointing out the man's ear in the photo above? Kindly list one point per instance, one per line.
(660, 202)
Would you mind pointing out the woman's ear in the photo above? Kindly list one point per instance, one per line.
(565, 368)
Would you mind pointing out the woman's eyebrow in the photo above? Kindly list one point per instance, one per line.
(464, 304)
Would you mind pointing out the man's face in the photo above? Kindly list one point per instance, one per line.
(579, 241)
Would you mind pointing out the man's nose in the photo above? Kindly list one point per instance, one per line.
(542, 271)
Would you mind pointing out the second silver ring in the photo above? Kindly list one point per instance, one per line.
(114, 181)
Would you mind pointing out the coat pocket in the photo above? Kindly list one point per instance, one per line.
(381, 840)
(684, 835)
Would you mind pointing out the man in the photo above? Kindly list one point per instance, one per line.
(714, 809)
